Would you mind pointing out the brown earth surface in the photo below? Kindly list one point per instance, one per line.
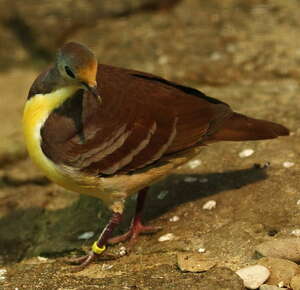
(246, 53)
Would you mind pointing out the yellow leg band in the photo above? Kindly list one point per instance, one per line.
(98, 250)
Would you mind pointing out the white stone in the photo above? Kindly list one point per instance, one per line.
(166, 237)
(296, 232)
(174, 219)
(209, 205)
(3, 274)
(162, 194)
(190, 179)
(288, 164)
(298, 202)
(201, 250)
(254, 276)
(123, 251)
(246, 153)
(106, 267)
(42, 259)
(281, 284)
(86, 236)
(194, 163)
(203, 180)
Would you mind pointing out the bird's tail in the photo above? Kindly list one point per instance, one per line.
(242, 128)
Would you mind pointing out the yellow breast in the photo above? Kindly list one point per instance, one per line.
(37, 110)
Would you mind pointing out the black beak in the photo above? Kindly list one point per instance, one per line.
(93, 90)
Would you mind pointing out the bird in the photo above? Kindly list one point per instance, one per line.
(111, 132)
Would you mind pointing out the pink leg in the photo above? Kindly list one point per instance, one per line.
(85, 260)
(136, 227)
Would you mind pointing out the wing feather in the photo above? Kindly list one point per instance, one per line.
(142, 118)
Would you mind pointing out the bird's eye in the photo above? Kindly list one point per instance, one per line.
(69, 72)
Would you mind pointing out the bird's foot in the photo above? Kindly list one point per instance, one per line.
(85, 260)
(132, 235)
(81, 262)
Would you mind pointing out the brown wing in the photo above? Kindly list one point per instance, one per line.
(142, 117)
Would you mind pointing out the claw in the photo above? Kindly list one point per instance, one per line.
(82, 261)
(132, 235)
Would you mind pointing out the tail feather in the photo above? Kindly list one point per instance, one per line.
(242, 128)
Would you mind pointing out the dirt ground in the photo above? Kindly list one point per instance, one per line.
(246, 53)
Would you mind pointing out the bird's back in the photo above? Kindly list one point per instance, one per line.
(142, 118)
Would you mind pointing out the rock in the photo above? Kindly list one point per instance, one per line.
(253, 276)
(166, 237)
(194, 163)
(122, 251)
(288, 164)
(282, 248)
(194, 262)
(220, 278)
(85, 235)
(296, 232)
(269, 287)
(295, 282)
(209, 205)
(3, 273)
(246, 153)
(162, 194)
(190, 179)
(174, 219)
(282, 271)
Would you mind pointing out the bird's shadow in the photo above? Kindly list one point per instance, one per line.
(180, 190)
(36, 231)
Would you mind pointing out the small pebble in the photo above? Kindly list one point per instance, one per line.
(253, 276)
(209, 205)
(298, 202)
(281, 284)
(122, 251)
(281, 248)
(42, 259)
(106, 267)
(201, 250)
(193, 262)
(194, 163)
(174, 219)
(162, 194)
(246, 153)
(296, 232)
(166, 237)
(190, 179)
(3, 274)
(203, 180)
(86, 236)
(288, 164)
